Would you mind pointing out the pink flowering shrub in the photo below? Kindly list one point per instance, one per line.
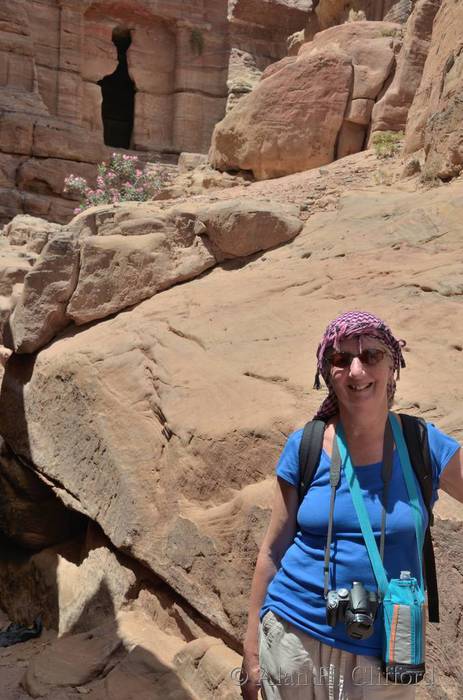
(120, 180)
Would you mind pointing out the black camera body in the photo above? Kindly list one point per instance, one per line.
(355, 607)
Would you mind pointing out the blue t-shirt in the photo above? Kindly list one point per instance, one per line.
(296, 591)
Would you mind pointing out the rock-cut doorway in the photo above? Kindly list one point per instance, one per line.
(118, 91)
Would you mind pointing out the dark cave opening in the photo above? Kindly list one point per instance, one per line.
(118, 90)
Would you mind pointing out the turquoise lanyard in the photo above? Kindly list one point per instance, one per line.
(361, 510)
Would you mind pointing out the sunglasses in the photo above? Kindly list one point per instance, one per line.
(369, 357)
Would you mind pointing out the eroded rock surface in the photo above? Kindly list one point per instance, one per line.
(391, 111)
(310, 109)
(114, 258)
(434, 120)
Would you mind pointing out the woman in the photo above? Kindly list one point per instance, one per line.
(290, 651)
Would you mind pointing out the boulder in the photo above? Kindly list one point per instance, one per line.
(291, 121)
(370, 45)
(241, 227)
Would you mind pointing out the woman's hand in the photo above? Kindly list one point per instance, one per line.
(250, 676)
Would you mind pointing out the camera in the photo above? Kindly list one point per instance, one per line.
(355, 607)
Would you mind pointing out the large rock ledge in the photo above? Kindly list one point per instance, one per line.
(111, 258)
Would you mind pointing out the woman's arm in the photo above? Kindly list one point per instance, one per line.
(451, 480)
(279, 536)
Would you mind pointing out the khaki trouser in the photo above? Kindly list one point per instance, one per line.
(295, 666)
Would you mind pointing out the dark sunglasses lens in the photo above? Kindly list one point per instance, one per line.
(371, 357)
(341, 359)
(367, 357)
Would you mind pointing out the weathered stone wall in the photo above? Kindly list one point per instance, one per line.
(54, 53)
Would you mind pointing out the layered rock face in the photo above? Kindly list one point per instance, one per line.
(80, 78)
(308, 110)
(434, 120)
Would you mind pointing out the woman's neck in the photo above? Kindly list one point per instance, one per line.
(364, 435)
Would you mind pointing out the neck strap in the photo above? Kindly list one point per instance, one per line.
(335, 473)
(357, 498)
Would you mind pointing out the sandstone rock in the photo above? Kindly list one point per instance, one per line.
(30, 232)
(8, 168)
(351, 139)
(131, 258)
(47, 175)
(371, 47)
(359, 112)
(206, 665)
(15, 133)
(400, 11)
(41, 311)
(444, 132)
(333, 12)
(119, 271)
(275, 130)
(189, 161)
(123, 402)
(243, 76)
(72, 661)
(76, 585)
(13, 269)
(390, 112)
(240, 228)
(432, 98)
(291, 14)
(146, 669)
(278, 129)
(53, 139)
(295, 42)
(411, 167)
(53, 208)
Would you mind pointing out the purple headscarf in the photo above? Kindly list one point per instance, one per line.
(354, 323)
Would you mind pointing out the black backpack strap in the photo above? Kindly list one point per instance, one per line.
(416, 437)
(310, 451)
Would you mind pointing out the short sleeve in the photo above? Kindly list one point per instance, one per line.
(442, 448)
(288, 464)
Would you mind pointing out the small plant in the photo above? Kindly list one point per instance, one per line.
(387, 143)
(120, 180)
(429, 176)
(197, 42)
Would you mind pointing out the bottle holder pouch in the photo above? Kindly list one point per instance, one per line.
(404, 622)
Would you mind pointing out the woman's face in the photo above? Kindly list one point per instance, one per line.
(362, 386)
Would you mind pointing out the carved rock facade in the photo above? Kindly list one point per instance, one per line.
(148, 75)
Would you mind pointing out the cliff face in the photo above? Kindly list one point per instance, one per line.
(403, 73)
(149, 75)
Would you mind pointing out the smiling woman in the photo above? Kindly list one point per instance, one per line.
(320, 623)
